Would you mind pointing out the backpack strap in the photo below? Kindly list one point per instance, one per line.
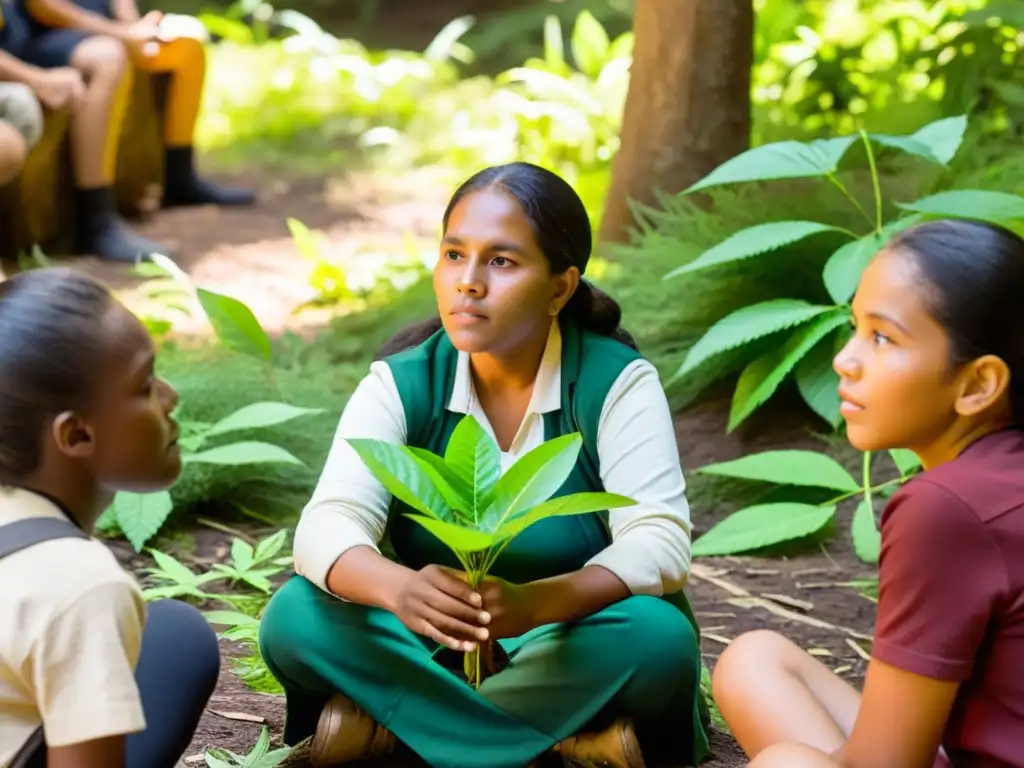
(22, 534)
(15, 537)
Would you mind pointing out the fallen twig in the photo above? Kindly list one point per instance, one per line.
(792, 602)
(226, 529)
(744, 599)
(717, 638)
(860, 651)
(245, 717)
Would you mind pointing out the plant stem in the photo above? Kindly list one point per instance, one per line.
(839, 185)
(874, 180)
(867, 482)
(866, 491)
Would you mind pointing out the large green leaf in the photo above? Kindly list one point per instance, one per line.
(752, 242)
(844, 268)
(141, 515)
(818, 381)
(867, 541)
(242, 453)
(906, 461)
(235, 324)
(762, 377)
(780, 160)
(456, 537)
(762, 525)
(454, 492)
(937, 142)
(787, 467)
(574, 504)
(533, 479)
(258, 416)
(589, 44)
(982, 204)
(746, 325)
(399, 472)
(475, 459)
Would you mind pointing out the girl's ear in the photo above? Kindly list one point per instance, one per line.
(984, 383)
(73, 436)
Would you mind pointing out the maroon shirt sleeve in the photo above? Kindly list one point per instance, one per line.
(941, 578)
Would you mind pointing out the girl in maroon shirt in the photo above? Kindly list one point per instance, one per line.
(936, 365)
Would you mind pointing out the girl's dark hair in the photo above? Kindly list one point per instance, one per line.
(562, 228)
(975, 273)
(50, 341)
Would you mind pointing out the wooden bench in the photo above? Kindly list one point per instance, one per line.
(37, 208)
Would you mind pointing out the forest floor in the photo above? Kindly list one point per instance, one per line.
(249, 254)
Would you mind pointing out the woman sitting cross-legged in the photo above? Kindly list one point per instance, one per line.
(935, 365)
(604, 659)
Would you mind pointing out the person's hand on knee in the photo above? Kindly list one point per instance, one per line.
(59, 87)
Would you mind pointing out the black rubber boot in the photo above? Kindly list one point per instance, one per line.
(101, 230)
(182, 186)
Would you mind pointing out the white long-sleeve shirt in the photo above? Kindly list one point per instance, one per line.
(637, 453)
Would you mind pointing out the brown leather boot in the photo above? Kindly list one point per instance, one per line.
(346, 733)
(614, 747)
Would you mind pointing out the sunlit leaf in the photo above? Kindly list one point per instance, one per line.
(746, 325)
(867, 541)
(533, 479)
(258, 416)
(399, 472)
(235, 324)
(780, 160)
(589, 44)
(981, 204)
(787, 467)
(242, 453)
(141, 515)
(906, 461)
(574, 504)
(761, 378)
(475, 459)
(455, 493)
(753, 241)
(818, 382)
(844, 268)
(456, 537)
(762, 525)
(937, 142)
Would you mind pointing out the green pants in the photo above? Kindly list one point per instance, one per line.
(638, 658)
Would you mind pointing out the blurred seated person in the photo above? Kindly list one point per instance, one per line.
(95, 104)
(154, 43)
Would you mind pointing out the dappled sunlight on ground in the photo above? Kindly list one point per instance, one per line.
(362, 222)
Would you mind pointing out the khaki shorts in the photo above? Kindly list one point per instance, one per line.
(20, 107)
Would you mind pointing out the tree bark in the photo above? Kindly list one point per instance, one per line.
(688, 106)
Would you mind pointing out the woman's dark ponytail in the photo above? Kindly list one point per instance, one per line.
(597, 312)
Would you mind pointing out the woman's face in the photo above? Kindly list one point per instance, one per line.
(494, 286)
(896, 386)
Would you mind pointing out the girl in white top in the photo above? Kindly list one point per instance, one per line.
(87, 679)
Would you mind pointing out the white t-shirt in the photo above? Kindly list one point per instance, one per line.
(71, 623)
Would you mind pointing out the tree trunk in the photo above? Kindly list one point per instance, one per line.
(688, 106)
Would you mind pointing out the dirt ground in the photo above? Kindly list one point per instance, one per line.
(249, 253)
